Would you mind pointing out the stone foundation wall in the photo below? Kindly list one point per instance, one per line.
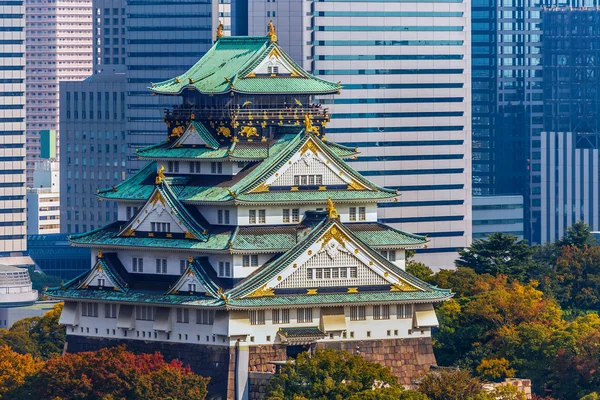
(407, 358)
(215, 362)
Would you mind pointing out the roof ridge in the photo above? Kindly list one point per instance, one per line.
(182, 212)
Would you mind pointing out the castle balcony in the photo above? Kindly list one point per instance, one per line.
(272, 116)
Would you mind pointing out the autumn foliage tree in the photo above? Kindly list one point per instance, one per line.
(14, 369)
(113, 373)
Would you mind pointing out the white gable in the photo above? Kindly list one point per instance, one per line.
(322, 263)
(310, 160)
(191, 138)
(157, 211)
(339, 264)
(188, 278)
(274, 63)
(98, 277)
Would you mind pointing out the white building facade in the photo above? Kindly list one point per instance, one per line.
(59, 49)
(502, 213)
(406, 71)
(13, 241)
(43, 200)
(569, 190)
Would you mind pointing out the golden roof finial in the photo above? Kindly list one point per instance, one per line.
(220, 30)
(99, 254)
(331, 209)
(190, 259)
(160, 175)
(272, 33)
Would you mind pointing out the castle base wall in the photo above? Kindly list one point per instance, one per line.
(407, 358)
(215, 362)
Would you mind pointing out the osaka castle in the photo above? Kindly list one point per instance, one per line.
(248, 238)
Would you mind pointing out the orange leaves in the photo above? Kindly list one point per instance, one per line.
(15, 368)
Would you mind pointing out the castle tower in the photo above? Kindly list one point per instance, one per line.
(247, 238)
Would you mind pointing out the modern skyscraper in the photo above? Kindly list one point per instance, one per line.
(13, 241)
(564, 159)
(406, 72)
(93, 149)
(162, 40)
(59, 49)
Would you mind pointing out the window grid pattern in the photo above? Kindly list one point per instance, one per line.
(281, 316)
(358, 313)
(257, 317)
(304, 315)
(404, 311)
(381, 312)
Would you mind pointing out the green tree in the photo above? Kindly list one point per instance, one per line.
(497, 254)
(449, 384)
(419, 270)
(579, 234)
(333, 375)
(42, 337)
(577, 276)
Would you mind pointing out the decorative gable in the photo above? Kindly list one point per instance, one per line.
(274, 64)
(99, 277)
(188, 283)
(336, 259)
(157, 215)
(311, 165)
(196, 135)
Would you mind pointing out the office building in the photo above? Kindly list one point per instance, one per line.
(93, 148)
(54, 255)
(565, 158)
(247, 238)
(43, 200)
(59, 49)
(406, 103)
(13, 243)
(499, 213)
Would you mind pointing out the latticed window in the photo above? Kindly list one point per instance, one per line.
(404, 311)
(381, 312)
(286, 215)
(362, 214)
(224, 268)
(182, 266)
(161, 266)
(110, 311)
(304, 315)
(191, 287)
(281, 316)
(89, 309)
(205, 317)
(252, 216)
(173, 166)
(262, 216)
(296, 215)
(352, 213)
(389, 254)
(144, 313)
(137, 264)
(257, 317)
(183, 315)
(357, 313)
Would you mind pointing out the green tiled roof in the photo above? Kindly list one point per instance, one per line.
(340, 298)
(277, 239)
(162, 151)
(301, 331)
(106, 236)
(135, 297)
(218, 189)
(224, 68)
(191, 218)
